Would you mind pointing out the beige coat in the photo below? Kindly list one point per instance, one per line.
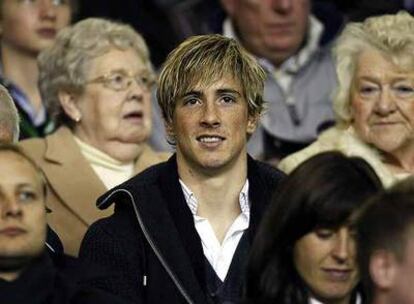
(74, 186)
(347, 142)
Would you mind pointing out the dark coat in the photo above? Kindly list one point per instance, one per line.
(43, 283)
(150, 244)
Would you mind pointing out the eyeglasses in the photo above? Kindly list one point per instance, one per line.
(121, 81)
(53, 2)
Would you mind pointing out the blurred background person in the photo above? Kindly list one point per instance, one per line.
(162, 23)
(9, 118)
(385, 239)
(374, 103)
(27, 28)
(9, 133)
(27, 274)
(293, 47)
(96, 82)
(304, 251)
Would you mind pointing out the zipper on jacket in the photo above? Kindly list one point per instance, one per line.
(153, 246)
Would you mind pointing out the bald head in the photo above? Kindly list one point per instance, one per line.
(9, 118)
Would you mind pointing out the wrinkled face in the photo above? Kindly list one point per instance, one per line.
(110, 113)
(325, 260)
(6, 133)
(31, 25)
(23, 214)
(273, 29)
(210, 126)
(383, 103)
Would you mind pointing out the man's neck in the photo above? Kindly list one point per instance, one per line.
(21, 68)
(217, 192)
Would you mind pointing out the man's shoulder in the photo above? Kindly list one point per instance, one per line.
(268, 173)
(146, 182)
(149, 176)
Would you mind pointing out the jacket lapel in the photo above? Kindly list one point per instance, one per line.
(172, 230)
(67, 170)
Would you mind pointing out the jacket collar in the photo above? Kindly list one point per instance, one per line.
(68, 161)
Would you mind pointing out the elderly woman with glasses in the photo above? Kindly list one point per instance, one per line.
(96, 82)
(374, 102)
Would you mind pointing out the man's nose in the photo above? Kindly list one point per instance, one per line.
(210, 115)
(10, 208)
(281, 5)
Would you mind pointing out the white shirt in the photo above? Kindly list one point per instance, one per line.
(314, 301)
(220, 255)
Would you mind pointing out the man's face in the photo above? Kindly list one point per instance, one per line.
(401, 290)
(272, 29)
(22, 211)
(31, 26)
(210, 126)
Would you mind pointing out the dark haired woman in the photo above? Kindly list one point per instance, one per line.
(304, 252)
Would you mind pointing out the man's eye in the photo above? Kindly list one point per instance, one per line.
(26, 196)
(228, 99)
(191, 101)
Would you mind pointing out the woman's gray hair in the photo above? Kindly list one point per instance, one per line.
(64, 66)
(9, 116)
(392, 35)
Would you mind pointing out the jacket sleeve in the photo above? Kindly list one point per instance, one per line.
(117, 258)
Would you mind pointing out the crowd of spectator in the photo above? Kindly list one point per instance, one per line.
(223, 151)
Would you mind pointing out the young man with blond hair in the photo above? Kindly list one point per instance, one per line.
(182, 230)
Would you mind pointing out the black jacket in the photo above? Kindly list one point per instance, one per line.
(150, 244)
(43, 283)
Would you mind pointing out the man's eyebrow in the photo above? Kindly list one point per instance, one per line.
(227, 90)
(192, 93)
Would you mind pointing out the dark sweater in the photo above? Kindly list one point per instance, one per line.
(150, 245)
(42, 283)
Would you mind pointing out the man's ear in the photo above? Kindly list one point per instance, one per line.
(68, 101)
(229, 6)
(252, 124)
(383, 267)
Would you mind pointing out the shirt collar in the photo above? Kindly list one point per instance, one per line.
(193, 204)
(297, 61)
(314, 301)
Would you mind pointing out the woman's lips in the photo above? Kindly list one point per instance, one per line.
(47, 33)
(339, 275)
(135, 117)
